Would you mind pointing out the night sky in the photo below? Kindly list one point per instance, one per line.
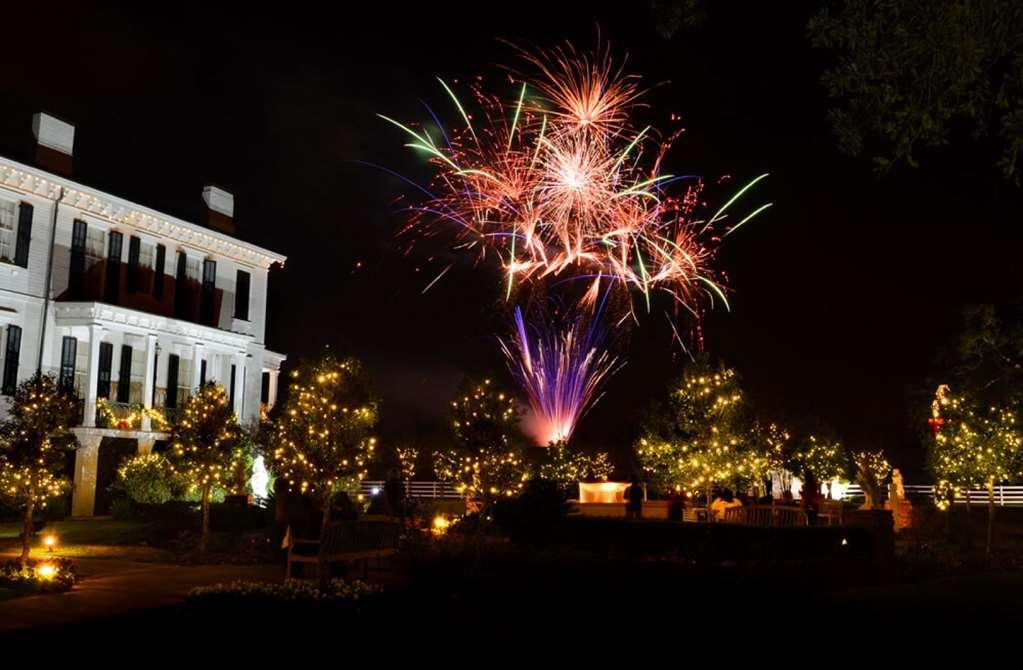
(844, 291)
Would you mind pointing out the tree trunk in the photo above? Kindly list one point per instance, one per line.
(990, 514)
(204, 536)
(26, 532)
(326, 518)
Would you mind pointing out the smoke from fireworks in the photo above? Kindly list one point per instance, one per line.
(560, 370)
(559, 183)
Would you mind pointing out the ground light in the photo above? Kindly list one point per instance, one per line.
(50, 541)
(46, 571)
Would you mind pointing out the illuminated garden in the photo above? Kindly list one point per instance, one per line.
(548, 399)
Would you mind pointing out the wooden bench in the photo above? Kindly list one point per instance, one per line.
(346, 542)
(766, 515)
(830, 513)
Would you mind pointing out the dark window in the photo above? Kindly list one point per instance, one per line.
(68, 353)
(264, 388)
(12, 355)
(172, 381)
(241, 296)
(134, 247)
(158, 271)
(231, 395)
(180, 301)
(76, 280)
(202, 372)
(106, 359)
(209, 283)
(24, 234)
(114, 247)
(124, 375)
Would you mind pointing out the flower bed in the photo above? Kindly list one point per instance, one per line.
(44, 575)
(337, 592)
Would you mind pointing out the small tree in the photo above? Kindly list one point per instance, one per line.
(701, 438)
(322, 441)
(204, 447)
(485, 460)
(973, 447)
(872, 471)
(560, 464)
(820, 459)
(34, 443)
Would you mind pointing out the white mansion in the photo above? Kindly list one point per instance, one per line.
(132, 307)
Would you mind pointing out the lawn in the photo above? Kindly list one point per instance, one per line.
(89, 538)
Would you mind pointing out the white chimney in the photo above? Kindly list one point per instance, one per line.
(53, 133)
(219, 201)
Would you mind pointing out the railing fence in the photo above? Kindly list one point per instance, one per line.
(1005, 496)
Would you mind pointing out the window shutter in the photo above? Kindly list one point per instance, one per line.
(68, 354)
(172, 381)
(114, 248)
(209, 283)
(24, 234)
(202, 372)
(158, 271)
(12, 355)
(106, 359)
(76, 280)
(179, 286)
(134, 248)
(241, 296)
(124, 376)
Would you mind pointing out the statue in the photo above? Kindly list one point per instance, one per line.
(902, 509)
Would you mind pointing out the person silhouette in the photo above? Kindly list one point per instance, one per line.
(634, 498)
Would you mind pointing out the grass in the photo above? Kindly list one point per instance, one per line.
(89, 538)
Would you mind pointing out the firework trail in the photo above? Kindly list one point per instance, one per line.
(560, 369)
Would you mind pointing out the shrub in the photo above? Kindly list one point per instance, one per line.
(532, 516)
(291, 591)
(148, 479)
(44, 575)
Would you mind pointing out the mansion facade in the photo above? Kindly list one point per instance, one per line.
(131, 307)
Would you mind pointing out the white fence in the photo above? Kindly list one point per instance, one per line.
(1005, 496)
(435, 490)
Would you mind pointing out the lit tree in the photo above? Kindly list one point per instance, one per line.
(820, 460)
(34, 444)
(701, 438)
(972, 447)
(205, 447)
(485, 460)
(559, 464)
(872, 471)
(774, 443)
(322, 441)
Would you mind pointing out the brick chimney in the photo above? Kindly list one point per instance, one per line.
(55, 143)
(219, 211)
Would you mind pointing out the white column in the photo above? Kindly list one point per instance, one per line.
(147, 381)
(239, 385)
(83, 496)
(146, 445)
(197, 354)
(95, 337)
(271, 394)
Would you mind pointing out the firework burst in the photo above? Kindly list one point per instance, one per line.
(559, 185)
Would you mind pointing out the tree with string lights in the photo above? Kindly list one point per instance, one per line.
(486, 458)
(205, 447)
(821, 459)
(34, 444)
(972, 447)
(702, 436)
(322, 441)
